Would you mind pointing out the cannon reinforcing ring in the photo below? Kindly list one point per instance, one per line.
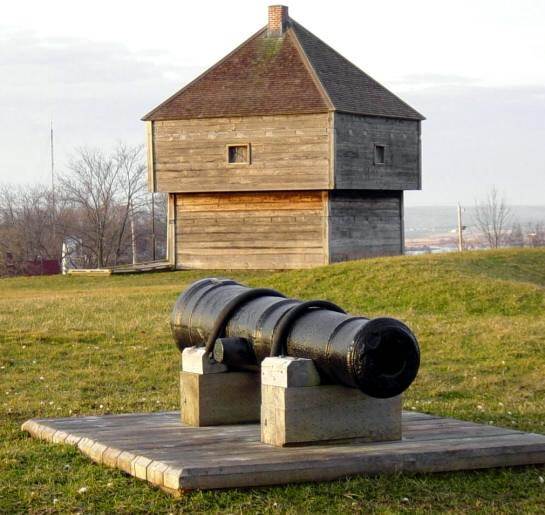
(226, 313)
(279, 346)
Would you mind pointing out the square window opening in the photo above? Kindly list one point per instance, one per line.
(380, 154)
(238, 154)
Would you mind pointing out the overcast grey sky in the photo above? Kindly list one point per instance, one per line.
(475, 69)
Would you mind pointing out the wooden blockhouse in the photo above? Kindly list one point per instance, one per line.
(283, 155)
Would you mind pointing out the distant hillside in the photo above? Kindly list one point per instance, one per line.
(506, 282)
(429, 221)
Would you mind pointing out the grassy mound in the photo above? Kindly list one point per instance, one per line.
(95, 345)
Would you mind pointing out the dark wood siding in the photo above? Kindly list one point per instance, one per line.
(269, 230)
(355, 139)
(364, 224)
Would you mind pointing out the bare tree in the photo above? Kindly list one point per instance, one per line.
(107, 192)
(150, 227)
(28, 223)
(159, 225)
(492, 217)
(101, 212)
(91, 187)
(132, 184)
(536, 234)
(515, 237)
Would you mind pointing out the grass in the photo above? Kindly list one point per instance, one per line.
(96, 345)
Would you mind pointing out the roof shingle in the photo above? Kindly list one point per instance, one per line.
(263, 76)
(293, 74)
(349, 88)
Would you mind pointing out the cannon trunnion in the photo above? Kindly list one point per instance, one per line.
(241, 326)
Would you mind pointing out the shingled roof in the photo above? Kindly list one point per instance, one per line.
(294, 73)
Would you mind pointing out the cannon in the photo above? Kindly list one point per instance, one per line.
(241, 326)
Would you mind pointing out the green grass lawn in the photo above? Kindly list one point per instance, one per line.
(96, 345)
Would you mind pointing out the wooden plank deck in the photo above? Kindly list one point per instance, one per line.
(156, 447)
(147, 266)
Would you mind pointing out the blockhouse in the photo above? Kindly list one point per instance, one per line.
(283, 155)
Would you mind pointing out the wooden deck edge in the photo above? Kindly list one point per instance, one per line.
(155, 472)
(505, 451)
(138, 269)
(408, 462)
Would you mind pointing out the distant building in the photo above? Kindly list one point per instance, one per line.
(37, 266)
(283, 155)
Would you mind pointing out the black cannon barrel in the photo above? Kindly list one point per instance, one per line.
(379, 356)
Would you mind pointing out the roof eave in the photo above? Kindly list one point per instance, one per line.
(417, 117)
(237, 115)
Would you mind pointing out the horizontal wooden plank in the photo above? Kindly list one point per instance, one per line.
(255, 253)
(249, 244)
(90, 271)
(307, 164)
(248, 121)
(248, 260)
(247, 232)
(244, 224)
(255, 209)
(242, 185)
(264, 141)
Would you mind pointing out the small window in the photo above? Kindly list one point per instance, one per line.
(238, 154)
(379, 154)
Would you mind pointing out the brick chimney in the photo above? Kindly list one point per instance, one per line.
(278, 18)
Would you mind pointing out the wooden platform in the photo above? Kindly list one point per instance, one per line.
(148, 266)
(158, 448)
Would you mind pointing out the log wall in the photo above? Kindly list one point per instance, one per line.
(355, 139)
(288, 152)
(365, 224)
(269, 230)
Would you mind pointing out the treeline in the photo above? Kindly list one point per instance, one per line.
(531, 234)
(498, 227)
(99, 214)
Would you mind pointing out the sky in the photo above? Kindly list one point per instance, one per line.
(475, 69)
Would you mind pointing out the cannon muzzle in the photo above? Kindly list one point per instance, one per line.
(241, 326)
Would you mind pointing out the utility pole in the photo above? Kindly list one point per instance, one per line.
(460, 230)
(133, 236)
(53, 199)
(152, 226)
(52, 162)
